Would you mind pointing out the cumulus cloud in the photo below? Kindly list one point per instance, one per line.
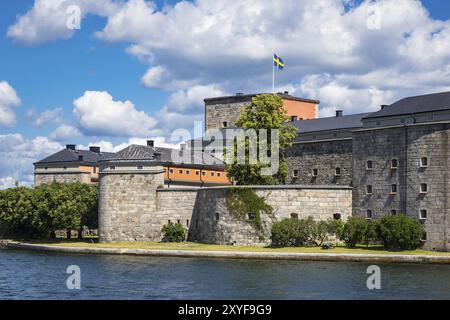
(98, 113)
(18, 154)
(48, 20)
(8, 100)
(47, 116)
(64, 132)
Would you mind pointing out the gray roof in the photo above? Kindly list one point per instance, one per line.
(418, 104)
(69, 155)
(329, 123)
(136, 152)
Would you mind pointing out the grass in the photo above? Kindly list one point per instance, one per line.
(190, 246)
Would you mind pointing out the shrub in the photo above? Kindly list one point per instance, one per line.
(292, 232)
(173, 232)
(399, 232)
(355, 231)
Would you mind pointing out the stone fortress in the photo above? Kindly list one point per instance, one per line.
(392, 161)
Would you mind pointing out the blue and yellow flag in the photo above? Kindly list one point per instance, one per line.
(278, 62)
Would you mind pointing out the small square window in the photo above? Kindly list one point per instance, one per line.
(180, 171)
(394, 164)
(393, 212)
(171, 170)
(212, 173)
(424, 162)
(140, 167)
(112, 168)
(423, 213)
(218, 174)
(294, 215)
(423, 188)
(393, 188)
(65, 168)
(337, 171)
(369, 189)
(295, 174)
(369, 214)
(46, 168)
(369, 165)
(197, 173)
(225, 124)
(203, 173)
(187, 171)
(337, 216)
(315, 172)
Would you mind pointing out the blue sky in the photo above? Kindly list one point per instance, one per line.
(141, 69)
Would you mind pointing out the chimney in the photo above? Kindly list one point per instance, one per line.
(80, 158)
(70, 146)
(94, 149)
(384, 106)
(151, 143)
(339, 113)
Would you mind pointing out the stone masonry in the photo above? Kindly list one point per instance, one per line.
(66, 177)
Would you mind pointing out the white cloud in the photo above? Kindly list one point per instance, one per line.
(8, 100)
(7, 182)
(47, 20)
(47, 116)
(64, 132)
(18, 154)
(98, 113)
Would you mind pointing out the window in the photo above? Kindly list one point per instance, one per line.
(178, 221)
(315, 172)
(212, 173)
(187, 171)
(46, 168)
(394, 164)
(65, 168)
(112, 168)
(187, 223)
(225, 124)
(293, 118)
(423, 162)
(424, 236)
(203, 173)
(369, 189)
(251, 216)
(180, 171)
(217, 216)
(423, 214)
(295, 174)
(423, 188)
(369, 165)
(294, 215)
(218, 174)
(337, 216)
(140, 167)
(337, 171)
(393, 212)
(393, 188)
(369, 214)
(197, 173)
(169, 222)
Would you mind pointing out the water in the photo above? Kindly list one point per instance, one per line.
(31, 275)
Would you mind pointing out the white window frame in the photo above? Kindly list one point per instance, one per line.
(420, 214)
(420, 188)
(367, 165)
(421, 162)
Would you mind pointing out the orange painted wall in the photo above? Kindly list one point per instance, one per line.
(303, 110)
(189, 174)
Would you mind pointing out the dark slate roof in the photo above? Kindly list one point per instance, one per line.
(419, 104)
(136, 152)
(248, 97)
(69, 155)
(329, 123)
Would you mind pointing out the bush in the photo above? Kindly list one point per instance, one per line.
(355, 231)
(399, 232)
(292, 232)
(173, 232)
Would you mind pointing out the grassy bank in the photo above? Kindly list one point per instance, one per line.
(191, 246)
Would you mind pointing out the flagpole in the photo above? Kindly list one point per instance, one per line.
(273, 76)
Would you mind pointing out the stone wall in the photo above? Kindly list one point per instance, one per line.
(66, 177)
(407, 144)
(325, 156)
(229, 111)
(213, 223)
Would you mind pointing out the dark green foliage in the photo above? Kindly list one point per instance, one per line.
(244, 201)
(355, 231)
(173, 232)
(399, 232)
(265, 112)
(40, 211)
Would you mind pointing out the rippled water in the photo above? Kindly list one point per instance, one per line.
(30, 275)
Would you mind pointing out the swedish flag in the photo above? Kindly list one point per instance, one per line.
(278, 62)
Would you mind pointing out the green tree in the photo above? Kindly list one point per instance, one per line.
(264, 112)
(17, 211)
(355, 231)
(173, 232)
(399, 232)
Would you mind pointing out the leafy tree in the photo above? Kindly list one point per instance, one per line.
(173, 232)
(264, 112)
(17, 211)
(399, 232)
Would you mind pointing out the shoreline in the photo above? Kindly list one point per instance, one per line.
(335, 257)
